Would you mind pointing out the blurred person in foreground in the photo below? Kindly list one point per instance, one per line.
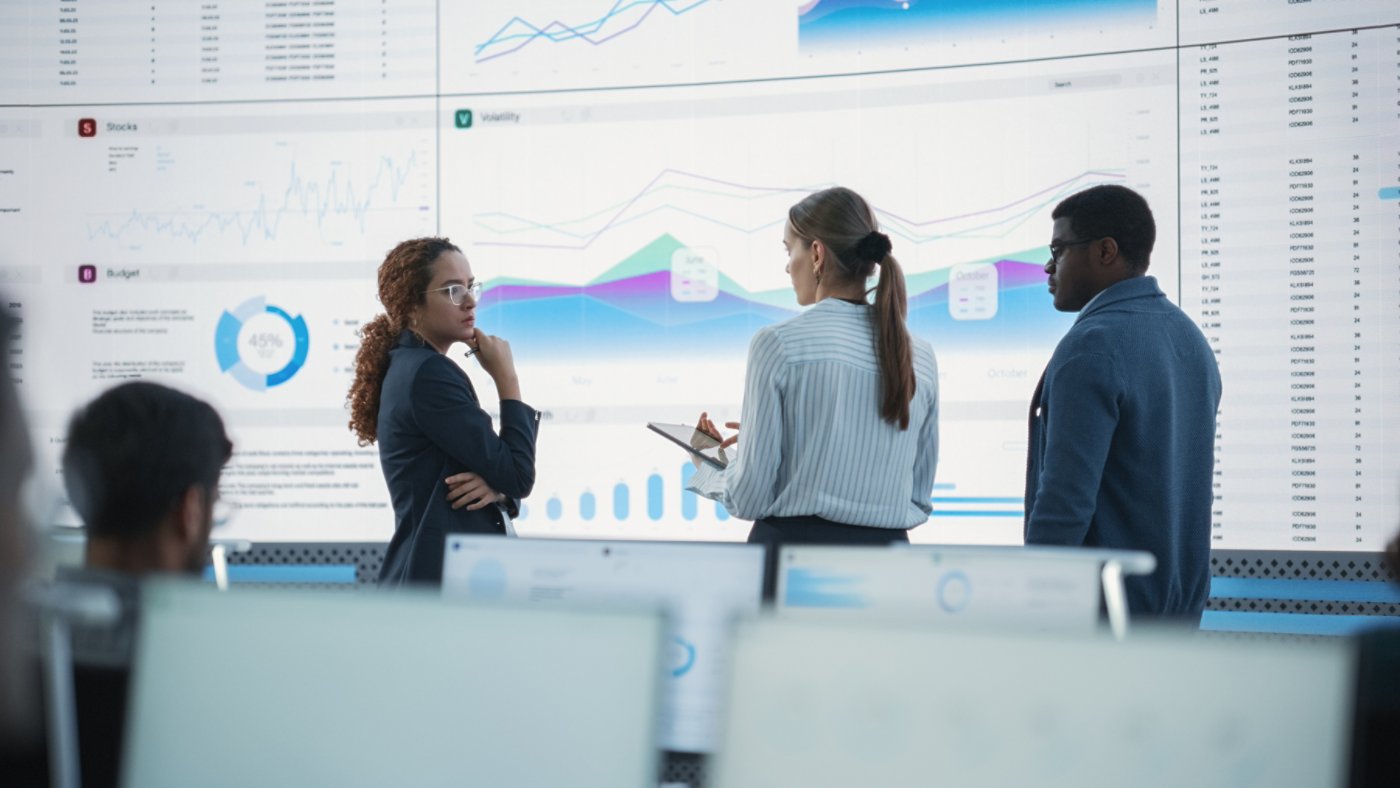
(142, 464)
(21, 753)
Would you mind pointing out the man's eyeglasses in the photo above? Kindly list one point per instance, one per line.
(1058, 249)
(459, 293)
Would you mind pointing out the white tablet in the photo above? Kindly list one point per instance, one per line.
(698, 443)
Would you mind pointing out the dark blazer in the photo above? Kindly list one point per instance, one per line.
(430, 427)
(1122, 443)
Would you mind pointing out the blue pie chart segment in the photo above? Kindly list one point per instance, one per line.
(226, 347)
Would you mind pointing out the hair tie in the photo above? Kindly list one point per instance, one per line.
(874, 247)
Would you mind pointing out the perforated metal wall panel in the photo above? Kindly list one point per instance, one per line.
(682, 768)
(291, 563)
(1363, 567)
(1300, 566)
(1301, 593)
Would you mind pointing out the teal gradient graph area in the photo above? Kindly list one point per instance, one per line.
(829, 24)
(629, 311)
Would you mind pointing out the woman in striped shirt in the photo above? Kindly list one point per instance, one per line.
(840, 413)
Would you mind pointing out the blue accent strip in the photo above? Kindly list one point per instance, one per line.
(941, 499)
(1390, 193)
(287, 573)
(1290, 623)
(1018, 514)
(1313, 590)
(815, 588)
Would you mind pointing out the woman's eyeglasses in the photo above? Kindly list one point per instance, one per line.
(459, 293)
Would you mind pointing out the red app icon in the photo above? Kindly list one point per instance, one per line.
(87, 274)
(87, 127)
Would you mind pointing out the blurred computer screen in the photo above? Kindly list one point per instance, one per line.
(702, 586)
(287, 688)
(816, 703)
(1028, 588)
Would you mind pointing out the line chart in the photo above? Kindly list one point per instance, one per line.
(624, 17)
(336, 193)
(675, 191)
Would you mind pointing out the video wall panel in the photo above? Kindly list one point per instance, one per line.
(201, 193)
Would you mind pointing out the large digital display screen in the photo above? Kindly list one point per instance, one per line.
(201, 195)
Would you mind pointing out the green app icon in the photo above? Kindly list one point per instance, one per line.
(464, 118)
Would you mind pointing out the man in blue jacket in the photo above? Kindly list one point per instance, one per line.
(1122, 423)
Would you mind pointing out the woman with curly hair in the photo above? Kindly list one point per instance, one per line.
(447, 469)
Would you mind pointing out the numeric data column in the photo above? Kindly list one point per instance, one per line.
(1283, 260)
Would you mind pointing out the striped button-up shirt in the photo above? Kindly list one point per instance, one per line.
(812, 440)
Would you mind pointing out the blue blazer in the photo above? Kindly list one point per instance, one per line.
(1122, 443)
(430, 427)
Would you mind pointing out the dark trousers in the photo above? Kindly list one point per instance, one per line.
(774, 532)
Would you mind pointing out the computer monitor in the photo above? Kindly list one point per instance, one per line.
(1028, 588)
(855, 702)
(1376, 758)
(273, 687)
(702, 586)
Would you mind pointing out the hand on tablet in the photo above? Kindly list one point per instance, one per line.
(708, 427)
(732, 439)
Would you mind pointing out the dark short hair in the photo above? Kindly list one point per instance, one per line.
(134, 451)
(1116, 212)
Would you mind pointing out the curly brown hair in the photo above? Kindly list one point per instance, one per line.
(403, 277)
